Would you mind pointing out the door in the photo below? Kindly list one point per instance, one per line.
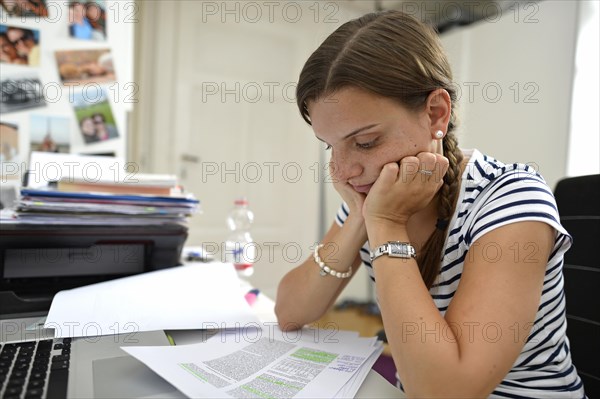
(217, 91)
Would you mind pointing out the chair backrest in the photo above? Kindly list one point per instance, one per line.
(578, 200)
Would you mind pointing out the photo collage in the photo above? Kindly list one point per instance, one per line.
(84, 67)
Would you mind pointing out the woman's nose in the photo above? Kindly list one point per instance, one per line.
(343, 167)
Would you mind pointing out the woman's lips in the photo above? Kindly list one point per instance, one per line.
(363, 189)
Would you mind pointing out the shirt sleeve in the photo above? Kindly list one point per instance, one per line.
(517, 196)
(342, 214)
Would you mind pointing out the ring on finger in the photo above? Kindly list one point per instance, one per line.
(426, 172)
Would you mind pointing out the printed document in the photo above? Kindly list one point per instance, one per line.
(265, 363)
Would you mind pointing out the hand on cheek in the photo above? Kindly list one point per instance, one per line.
(405, 188)
(353, 199)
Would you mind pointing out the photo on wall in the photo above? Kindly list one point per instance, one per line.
(9, 152)
(94, 115)
(81, 67)
(49, 133)
(87, 19)
(24, 8)
(19, 46)
(9, 142)
(19, 92)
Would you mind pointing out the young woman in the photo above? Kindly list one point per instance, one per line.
(466, 252)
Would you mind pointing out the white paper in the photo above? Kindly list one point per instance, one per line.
(262, 363)
(199, 296)
(45, 167)
(353, 385)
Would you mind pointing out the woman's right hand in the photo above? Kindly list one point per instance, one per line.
(351, 197)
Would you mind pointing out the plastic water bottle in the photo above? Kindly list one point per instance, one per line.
(240, 249)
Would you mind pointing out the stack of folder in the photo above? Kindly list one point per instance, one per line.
(151, 184)
(150, 200)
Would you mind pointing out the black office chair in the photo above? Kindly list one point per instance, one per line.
(578, 200)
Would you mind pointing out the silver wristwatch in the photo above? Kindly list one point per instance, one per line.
(395, 249)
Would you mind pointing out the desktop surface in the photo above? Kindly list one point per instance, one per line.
(102, 369)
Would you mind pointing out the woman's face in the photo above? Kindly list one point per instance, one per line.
(92, 11)
(366, 131)
(9, 52)
(17, 37)
(87, 127)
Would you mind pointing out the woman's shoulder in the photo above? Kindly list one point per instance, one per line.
(486, 173)
(496, 194)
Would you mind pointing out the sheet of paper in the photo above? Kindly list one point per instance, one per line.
(260, 363)
(48, 166)
(353, 385)
(200, 296)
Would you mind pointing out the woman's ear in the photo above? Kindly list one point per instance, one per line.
(439, 110)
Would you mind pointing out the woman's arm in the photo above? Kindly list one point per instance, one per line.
(303, 295)
(470, 350)
(467, 352)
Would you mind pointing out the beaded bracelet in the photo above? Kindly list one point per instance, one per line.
(325, 270)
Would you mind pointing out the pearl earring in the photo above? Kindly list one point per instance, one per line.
(439, 134)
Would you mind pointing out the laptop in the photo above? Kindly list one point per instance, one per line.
(33, 364)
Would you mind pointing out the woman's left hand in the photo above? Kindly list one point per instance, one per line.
(404, 188)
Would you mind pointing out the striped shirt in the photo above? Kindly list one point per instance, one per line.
(493, 195)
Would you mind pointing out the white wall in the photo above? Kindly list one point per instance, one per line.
(584, 138)
(515, 73)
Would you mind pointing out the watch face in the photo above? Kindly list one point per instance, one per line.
(397, 249)
(400, 250)
(394, 249)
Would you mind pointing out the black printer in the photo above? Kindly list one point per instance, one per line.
(38, 260)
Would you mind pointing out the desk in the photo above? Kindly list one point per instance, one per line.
(374, 386)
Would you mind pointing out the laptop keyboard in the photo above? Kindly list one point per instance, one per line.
(36, 369)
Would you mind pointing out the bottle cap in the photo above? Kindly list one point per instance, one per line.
(241, 201)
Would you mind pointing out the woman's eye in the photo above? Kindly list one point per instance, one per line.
(327, 147)
(366, 145)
